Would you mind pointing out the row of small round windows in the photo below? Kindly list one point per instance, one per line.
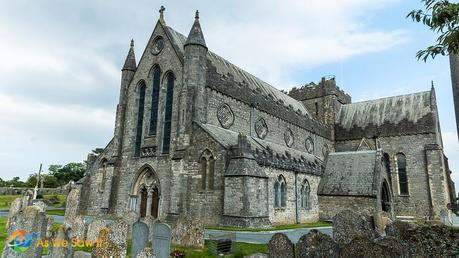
(225, 117)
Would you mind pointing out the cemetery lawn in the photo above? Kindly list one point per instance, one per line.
(2, 233)
(55, 212)
(58, 200)
(240, 250)
(281, 227)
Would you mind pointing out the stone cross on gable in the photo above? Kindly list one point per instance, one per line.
(161, 14)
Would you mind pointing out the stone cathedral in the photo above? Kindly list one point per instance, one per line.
(196, 135)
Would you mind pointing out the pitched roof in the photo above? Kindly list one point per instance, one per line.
(224, 67)
(393, 110)
(349, 173)
(228, 138)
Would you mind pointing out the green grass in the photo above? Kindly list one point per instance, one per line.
(2, 233)
(6, 200)
(55, 212)
(280, 227)
(240, 250)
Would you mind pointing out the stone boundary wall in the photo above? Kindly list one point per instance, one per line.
(22, 190)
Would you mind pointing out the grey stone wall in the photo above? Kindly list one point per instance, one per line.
(287, 215)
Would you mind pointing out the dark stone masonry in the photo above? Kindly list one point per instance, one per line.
(198, 137)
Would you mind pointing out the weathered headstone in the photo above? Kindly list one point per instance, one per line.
(162, 240)
(280, 246)
(118, 236)
(26, 227)
(146, 253)
(106, 248)
(60, 245)
(94, 227)
(428, 240)
(188, 232)
(40, 205)
(79, 228)
(140, 233)
(348, 225)
(15, 207)
(317, 244)
(49, 226)
(81, 254)
(130, 218)
(72, 206)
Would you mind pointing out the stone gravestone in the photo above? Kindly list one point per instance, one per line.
(140, 233)
(60, 245)
(130, 218)
(94, 227)
(188, 232)
(348, 225)
(106, 248)
(28, 225)
(118, 235)
(280, 246)
(15, 207)
(72, 206)
(146, 253)
(78, 228)
(317, 244)
(162, 240)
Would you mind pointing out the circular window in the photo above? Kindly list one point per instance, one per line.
(225, 116)
(288, 137)
(261, 128)
(158, 45)
(309, 144)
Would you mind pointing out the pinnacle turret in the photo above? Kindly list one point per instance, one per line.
(130, 64)
(196, 37)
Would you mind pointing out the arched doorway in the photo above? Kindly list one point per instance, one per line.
(145, 194)
(385, 197)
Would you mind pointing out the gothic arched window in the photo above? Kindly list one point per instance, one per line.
(140, 111)
(207, 170)
(304, 193)
(280, 192)
(168, 113)
(154, 100)
(402, 175)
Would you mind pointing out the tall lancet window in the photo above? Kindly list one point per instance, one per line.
(402, 176)
(140, 111)
(154, 100)
(168, 113)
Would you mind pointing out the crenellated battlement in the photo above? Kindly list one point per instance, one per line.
(324, 88)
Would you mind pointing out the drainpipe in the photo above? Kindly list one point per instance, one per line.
(296, 199)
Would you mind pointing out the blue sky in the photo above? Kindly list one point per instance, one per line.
(61, 61)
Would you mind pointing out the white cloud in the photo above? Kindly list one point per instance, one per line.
(61, 65)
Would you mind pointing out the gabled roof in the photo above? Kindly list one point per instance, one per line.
(349, 174)
(391, 110)
(224, 68)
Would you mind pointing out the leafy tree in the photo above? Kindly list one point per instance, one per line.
(31, 181)
(72, 171)
(442, 17)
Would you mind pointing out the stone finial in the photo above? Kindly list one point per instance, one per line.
(197, 15)
(132, 43)
(161, 14)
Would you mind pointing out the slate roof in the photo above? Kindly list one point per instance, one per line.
(224, 68)
(228, 138)
(393, 110)
(349, 173)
